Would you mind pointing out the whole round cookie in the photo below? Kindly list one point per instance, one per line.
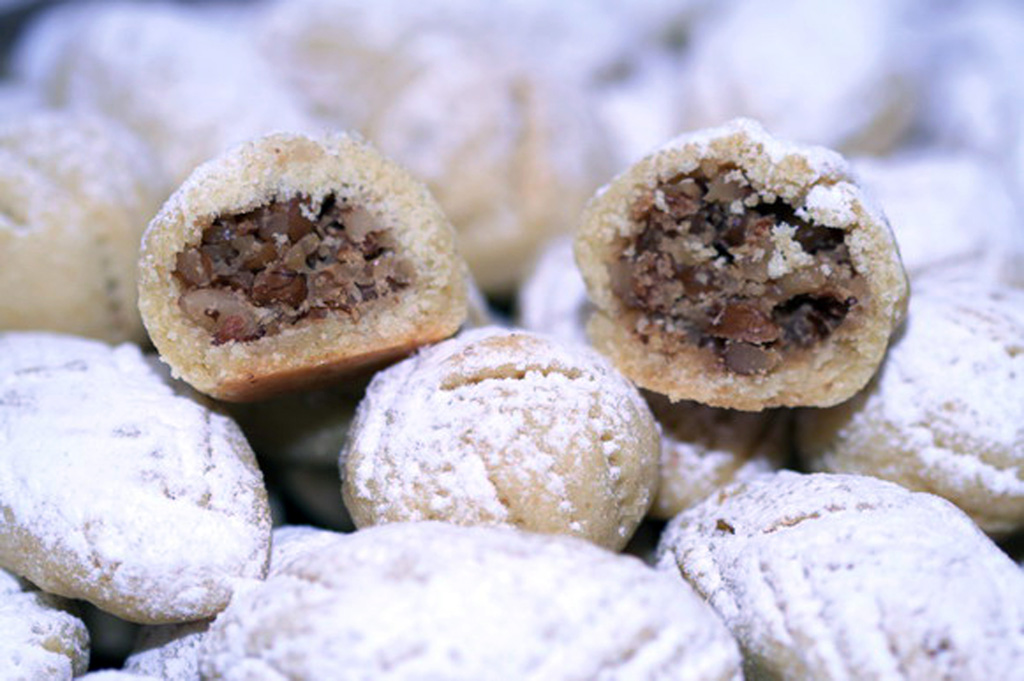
(946, 412)
(843, 576)
(78, 191)
(742, 271)
(115, 490)
(40, 638)
(433, 600)
(502, 427)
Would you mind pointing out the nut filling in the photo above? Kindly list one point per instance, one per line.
(256, 273)
(712, 264)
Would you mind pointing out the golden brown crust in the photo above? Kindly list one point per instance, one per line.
(814, 182)
(312, 351)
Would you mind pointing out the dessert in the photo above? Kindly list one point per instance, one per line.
(500, 427)
(739, 271)
(291, 261)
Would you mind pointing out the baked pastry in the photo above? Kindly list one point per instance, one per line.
(740, 271)
(78, 190)
(929, 197)
(433, 600)
(81, 419)
(501, 427)
(844, 576)
(191, 87)
(511, 165)
(290, 261)
(945, 414)
(846, 75)
(40, 637)
(704, 449)
(553, 298)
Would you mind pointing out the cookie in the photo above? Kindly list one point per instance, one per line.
(78, 191)
(929, 197)
(843, 576)
(433, 600)
(189, 86)
(102, 469)
(704, 449)
(291, 261)
(845, 75)
(740, 271)
(512, 164)
(946, 412)
(553, 298)
(501, 427)
(40, 637)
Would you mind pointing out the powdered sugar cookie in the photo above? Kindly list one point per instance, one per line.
(189, 86)
(77, 192)
(930, 197)
(553, 299)
(503, 427)
(81, 420)
(844, 74)
(704, 448)
(842, 576)
(432, 600)
(511, 165)
(289, 261)
(740, 271)
(946, 412)
(39, 636)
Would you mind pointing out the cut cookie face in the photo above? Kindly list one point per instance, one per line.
(501, 427)
(433, 600)
(76, 193)
(40, 638)
(843, 576)
(103, 466)
(739, 271)
(291, 261)
(946, 412)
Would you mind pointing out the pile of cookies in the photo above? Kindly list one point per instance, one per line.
(379, 340)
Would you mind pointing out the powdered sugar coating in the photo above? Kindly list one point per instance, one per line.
(431, 600)
(167, 72)
(168, 651)
(929, 198)
(553, 298)
(841, 74)
(840, 577)
(503, 427)
(946, 413)
(102, 469)
(39, 637)
(78, 190)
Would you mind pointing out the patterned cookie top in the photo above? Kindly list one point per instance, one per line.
(430, 600)
(836, 576)
(103, 467)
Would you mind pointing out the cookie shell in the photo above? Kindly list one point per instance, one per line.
(432, 600)
(843, 576)
(39, 635)
(946, 412)
(312, 352)
(102, 468)
(814, 181)
(501, 427)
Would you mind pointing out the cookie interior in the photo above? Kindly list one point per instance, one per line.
(711, 263)
(256, 273)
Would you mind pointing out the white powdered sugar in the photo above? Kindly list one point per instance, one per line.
(168, 651)
(553, 299)
(39, 637)
(503, 427)
(946, 412)
(116, 490)
(945, 208)
(430, 600)
(842, 577)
